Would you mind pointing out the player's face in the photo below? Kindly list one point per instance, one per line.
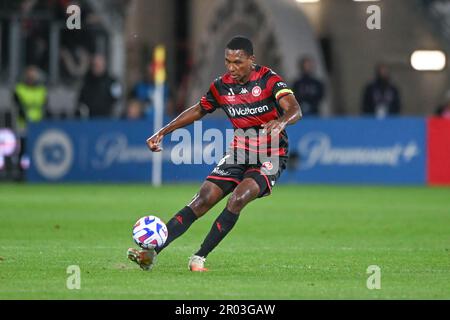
(239, 64)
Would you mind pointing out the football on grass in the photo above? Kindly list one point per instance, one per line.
(150, 232)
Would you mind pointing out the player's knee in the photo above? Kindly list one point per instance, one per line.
(204, 201)
(237, 202)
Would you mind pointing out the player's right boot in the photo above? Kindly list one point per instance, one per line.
(144, 258)
(197, 264)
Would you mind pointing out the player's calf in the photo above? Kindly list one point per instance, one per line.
(178, 225)
(220, 228)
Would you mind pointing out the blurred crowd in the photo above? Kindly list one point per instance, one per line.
(83, 65)
(83, 87)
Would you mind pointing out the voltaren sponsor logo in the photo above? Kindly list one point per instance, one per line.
(247, 111)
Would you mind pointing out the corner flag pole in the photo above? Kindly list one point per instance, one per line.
(159, 59)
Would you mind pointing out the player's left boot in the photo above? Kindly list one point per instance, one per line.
(197, 264)
(144, 258)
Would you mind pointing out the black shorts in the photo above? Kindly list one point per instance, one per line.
(228, 174)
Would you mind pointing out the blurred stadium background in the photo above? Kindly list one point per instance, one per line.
(76, 106)
(105, 70)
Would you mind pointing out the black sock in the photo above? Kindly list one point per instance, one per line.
(223, 224)
(178, 225)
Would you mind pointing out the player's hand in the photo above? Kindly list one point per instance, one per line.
(154, 142)
(273, 127)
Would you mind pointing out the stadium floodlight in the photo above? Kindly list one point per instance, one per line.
(428, 60)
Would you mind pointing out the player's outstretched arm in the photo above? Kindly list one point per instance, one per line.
(292, 113)
(187, 117)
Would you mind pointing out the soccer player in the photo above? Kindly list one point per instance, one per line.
(253, 97)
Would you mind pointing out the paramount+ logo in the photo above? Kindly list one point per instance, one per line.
(239, 111)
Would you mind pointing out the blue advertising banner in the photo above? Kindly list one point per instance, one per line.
(389, 151)
(115, 151)
(359, 150)
(89, 151)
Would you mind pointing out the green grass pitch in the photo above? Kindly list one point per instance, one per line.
(303, 242)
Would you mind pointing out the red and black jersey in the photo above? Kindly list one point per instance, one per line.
(250, 105)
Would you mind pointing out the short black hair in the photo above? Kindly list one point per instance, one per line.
(241, 43)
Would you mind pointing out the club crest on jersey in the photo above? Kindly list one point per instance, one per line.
(268, 165)
(256, 91)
